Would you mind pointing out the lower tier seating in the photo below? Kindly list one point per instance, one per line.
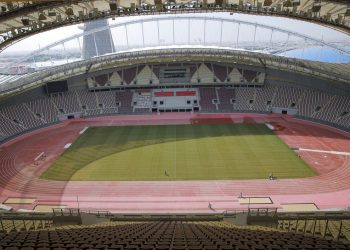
(308, 103)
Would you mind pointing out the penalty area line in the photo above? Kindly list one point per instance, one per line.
(82, 131)
(270, 126)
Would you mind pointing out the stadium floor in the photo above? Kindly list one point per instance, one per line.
(178, 152)
(19, 173)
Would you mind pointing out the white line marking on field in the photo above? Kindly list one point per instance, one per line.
(270, 126)
(81, 132)
(324, 151)
(67, 145)
(38, 157)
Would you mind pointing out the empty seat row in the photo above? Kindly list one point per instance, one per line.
(164, 235)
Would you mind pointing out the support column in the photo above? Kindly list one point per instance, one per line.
(205, 24)
(143, 36)
(93, 35)
(173, 31)
(237, 35)
(126, 35)
(189, 31)
(221, 32)
(158, 32)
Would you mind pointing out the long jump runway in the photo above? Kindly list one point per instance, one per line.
(22, 162)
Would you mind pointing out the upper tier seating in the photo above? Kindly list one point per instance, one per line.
(175, 235)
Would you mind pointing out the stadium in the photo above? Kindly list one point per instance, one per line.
(175, 125)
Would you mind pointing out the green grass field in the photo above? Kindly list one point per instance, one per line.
(185, 152)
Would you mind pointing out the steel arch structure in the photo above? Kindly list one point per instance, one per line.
(228, 33)
(12, 29)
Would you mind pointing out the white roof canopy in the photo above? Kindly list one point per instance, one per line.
(216, 30)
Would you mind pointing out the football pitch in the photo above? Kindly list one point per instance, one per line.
(178, 152)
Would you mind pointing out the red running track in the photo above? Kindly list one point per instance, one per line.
(19, 176)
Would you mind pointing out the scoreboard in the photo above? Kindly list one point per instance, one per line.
(174, 75)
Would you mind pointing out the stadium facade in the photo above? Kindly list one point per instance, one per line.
(192, 68)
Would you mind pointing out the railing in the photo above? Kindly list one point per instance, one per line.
(66, 211)
(166, 217)
(261, 211)
(20, 221)
(25, 215)
(336, 229)
(14, 225)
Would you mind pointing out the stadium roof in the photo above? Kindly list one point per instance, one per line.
(23, 18)
(62, 53)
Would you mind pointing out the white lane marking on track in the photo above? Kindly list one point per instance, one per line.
(324, 151)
